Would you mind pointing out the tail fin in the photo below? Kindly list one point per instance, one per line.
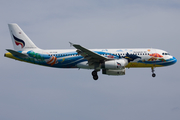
(20, 40)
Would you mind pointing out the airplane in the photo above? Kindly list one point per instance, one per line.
(110, 61)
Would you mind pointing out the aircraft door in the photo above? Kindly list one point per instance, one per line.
(153, 56)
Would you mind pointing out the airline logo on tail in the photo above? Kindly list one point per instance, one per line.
(19, 42)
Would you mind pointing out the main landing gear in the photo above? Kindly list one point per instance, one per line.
(94, 74)
(153, 74)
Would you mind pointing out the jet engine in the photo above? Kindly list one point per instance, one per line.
(114, 64)
(113, 72)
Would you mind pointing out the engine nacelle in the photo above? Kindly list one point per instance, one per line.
(115, 64)
(113, 72)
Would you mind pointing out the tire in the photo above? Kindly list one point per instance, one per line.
(95, 77)
(94, 73)
(153, 75)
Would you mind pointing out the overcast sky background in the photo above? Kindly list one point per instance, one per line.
(31, 92)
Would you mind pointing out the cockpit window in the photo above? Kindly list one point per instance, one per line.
(165, 54)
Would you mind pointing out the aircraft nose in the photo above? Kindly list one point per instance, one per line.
(174, 60)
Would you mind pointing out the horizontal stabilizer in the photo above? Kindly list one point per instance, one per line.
(13, 52)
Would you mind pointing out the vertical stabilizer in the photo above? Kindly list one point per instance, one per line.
(20, 40)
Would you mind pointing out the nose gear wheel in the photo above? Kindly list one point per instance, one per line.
(153, 74)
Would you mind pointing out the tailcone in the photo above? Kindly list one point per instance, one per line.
(9, 55)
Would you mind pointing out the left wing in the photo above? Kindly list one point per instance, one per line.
(91, 56)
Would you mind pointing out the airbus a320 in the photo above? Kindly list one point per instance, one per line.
(109, 61)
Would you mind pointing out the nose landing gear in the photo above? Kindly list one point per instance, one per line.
(153, 74)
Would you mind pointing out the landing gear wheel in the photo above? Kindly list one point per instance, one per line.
(153, 75)
(95, 77)
(94, 73)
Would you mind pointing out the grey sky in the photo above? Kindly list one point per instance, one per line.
(29, 91)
